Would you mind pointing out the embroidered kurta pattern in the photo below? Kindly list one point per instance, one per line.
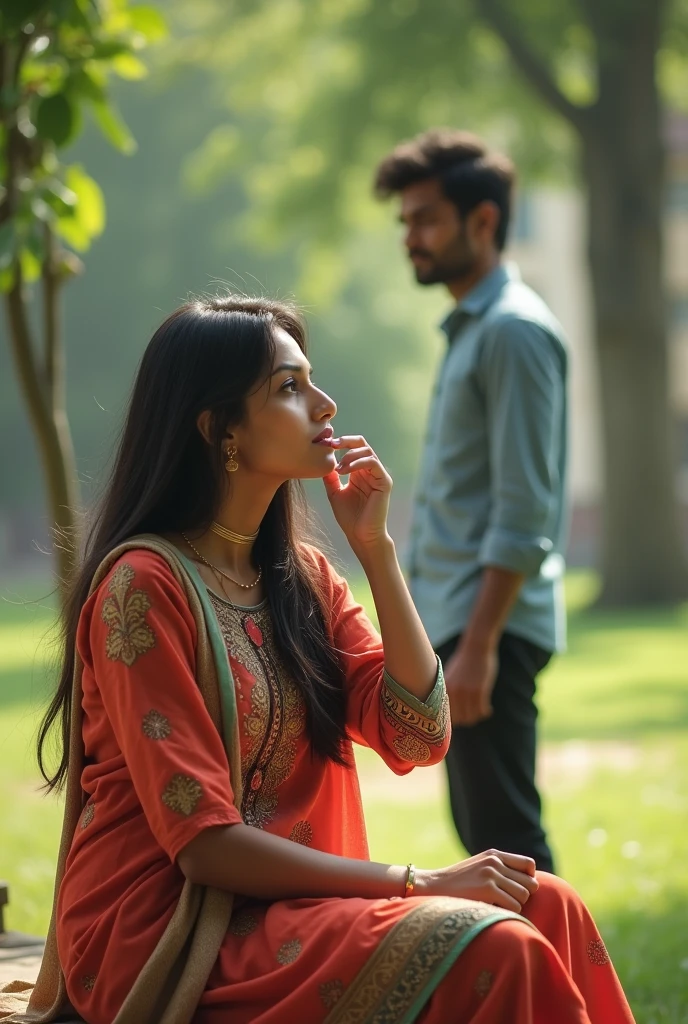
(182, 794)
(156, 726)
(124, 612)
(331, 992)
(483, 983)
(88, 815)
(289, 952)
(597, 953)
(421, 726)
(243, 923)
(302, 832)
(277, 717)
(390, 982)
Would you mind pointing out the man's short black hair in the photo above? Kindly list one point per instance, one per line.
(467, 172)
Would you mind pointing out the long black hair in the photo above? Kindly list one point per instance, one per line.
(208, 354)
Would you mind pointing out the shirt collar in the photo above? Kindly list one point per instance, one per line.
(482, 295)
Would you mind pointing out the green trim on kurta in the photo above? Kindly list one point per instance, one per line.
(450, 959)
(399, 977)
(431, 707)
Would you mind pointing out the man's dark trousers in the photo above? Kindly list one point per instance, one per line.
(491, 765)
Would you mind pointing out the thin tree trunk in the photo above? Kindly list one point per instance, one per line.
(43, 390)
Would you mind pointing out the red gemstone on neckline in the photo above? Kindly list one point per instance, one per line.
(253, 631)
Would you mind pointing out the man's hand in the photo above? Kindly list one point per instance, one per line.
(470, 676)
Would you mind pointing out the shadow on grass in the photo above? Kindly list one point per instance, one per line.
(641, 709)
(650, 954)
(589, 618)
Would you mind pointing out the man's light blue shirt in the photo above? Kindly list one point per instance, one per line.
(493, 474)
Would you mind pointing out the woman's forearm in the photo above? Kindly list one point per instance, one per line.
(246, 860)
(409, 657)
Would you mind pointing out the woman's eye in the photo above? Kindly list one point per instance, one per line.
(289, 385)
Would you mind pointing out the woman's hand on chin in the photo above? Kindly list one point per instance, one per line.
(361, 505)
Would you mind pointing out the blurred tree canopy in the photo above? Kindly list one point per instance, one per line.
(258, 130)
(55, 61)
(572, 88)
(373, 347)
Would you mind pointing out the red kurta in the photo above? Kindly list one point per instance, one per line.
(157, 774)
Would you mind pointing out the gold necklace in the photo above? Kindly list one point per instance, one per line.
(236, 538)
(216, 569)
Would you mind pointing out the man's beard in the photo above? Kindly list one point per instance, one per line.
(453, 265)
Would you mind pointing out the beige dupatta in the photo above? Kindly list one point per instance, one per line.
(169, 987)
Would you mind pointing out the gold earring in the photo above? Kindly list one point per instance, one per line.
(231, 465)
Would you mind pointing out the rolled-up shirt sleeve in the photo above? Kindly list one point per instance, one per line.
(523, 371)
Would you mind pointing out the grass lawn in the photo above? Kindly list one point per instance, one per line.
(613, 768)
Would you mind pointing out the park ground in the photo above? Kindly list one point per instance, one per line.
(613, 769)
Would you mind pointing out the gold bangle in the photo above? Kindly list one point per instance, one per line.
(410, 880)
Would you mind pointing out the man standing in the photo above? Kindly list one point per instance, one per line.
(486, 561)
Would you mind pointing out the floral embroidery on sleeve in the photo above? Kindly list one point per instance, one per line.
(124, 612)
(155, 725)
(420, 724)
(181, 794)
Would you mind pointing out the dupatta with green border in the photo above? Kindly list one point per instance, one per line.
(169, 987)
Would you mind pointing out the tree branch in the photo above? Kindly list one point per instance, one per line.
(529, 63)
(51, 316)
(50, 425)
(30, 377)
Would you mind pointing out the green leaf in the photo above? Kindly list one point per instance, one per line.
(149, 22)
(57, 119)
(85, 220)
(109, 48)
(114, 128)
(83, 84)
(71, 231)
(90, 205)
(128, 66)
(59, 198)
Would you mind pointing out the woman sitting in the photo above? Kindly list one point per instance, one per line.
(217, 674)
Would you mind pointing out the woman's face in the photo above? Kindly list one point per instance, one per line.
(286, 429)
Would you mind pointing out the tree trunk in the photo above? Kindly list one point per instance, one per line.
(43, 389)
(623, 163)
(643, 560)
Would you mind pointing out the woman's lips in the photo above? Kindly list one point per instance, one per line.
(325, 437)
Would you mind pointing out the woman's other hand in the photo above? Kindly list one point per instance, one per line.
(504, 879)
(361, 505)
